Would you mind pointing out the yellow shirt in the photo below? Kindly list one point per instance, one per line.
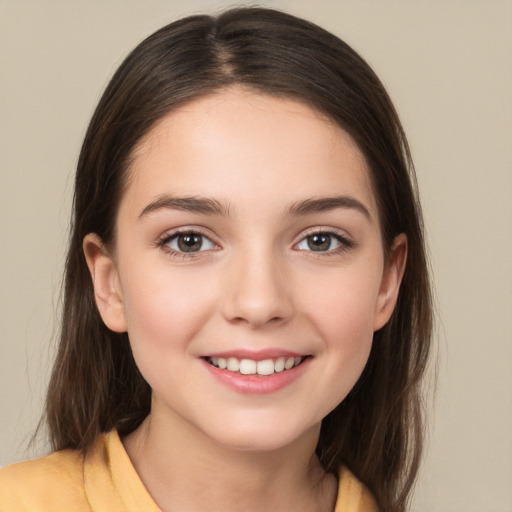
(106, 481)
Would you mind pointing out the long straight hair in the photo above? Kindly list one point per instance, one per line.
(377, 431)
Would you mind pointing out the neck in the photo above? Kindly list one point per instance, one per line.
(185, 470)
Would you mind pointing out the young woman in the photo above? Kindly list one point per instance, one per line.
(247, 312)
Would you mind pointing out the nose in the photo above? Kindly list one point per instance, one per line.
(258, 291)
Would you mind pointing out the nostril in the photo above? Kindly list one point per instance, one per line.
(258, 294)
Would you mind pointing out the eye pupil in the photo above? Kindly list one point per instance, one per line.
(190, 242)
(319, 242)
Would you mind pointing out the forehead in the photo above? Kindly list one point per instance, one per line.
(242, 146)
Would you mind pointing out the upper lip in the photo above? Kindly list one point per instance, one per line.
(256, 355)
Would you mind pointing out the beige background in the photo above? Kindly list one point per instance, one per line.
(448, 67)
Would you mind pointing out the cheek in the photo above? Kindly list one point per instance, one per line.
(163, 315)
(342, 310)
(163, 308)
(344, 303)
(346, 326)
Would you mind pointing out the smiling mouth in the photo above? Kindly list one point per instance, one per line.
(264, 367)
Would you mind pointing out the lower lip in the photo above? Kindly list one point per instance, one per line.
(257, 384)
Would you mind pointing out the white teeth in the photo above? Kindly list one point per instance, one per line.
(279, 364)
(252, 367)
(265, 367)
(247, 367)
(233, 364)
(290, 361)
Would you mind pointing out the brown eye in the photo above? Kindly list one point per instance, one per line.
(319, 242)
(324, 241)
(189, 242)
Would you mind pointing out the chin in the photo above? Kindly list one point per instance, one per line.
(261, 437)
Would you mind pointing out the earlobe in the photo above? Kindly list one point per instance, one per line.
(391, 279)
(105, 280)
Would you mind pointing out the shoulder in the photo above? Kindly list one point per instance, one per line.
(353, 495)
(103, 479)
(49, 483)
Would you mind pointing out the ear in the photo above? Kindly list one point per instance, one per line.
(105, 280)
(391, 279)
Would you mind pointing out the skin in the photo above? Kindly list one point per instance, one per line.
(256, 284)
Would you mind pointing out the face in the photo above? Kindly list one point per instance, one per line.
(248, 268)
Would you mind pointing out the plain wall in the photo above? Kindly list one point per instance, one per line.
(448, 67)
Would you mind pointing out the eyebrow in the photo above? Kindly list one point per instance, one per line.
(188, 204)
(210, 206)
(325, 204)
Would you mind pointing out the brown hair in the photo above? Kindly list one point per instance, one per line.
(95, 385)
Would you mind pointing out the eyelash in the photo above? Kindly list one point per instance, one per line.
(346, 243)
(168, 237)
